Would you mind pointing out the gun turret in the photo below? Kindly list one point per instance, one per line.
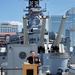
(55, 45)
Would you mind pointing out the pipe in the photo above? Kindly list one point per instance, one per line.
(25, 30)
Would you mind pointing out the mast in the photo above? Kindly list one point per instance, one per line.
(33, 4)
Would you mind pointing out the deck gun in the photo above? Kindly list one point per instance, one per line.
(55, 45)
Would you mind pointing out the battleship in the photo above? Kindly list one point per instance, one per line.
(54, 54)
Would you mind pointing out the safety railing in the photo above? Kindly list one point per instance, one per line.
(2, 69)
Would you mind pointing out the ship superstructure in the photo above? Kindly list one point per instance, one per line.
(54, 62)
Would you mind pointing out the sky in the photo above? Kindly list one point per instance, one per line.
(12, 10)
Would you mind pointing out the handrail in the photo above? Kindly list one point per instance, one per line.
(9, 69)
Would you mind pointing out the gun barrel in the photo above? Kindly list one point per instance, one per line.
(57, 41)
(25, 30)
(41, 40)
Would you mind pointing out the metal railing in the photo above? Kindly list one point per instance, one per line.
(9, 69)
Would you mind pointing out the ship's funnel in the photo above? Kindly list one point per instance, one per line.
(41, 40)
(25, 30)
(57, 41)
